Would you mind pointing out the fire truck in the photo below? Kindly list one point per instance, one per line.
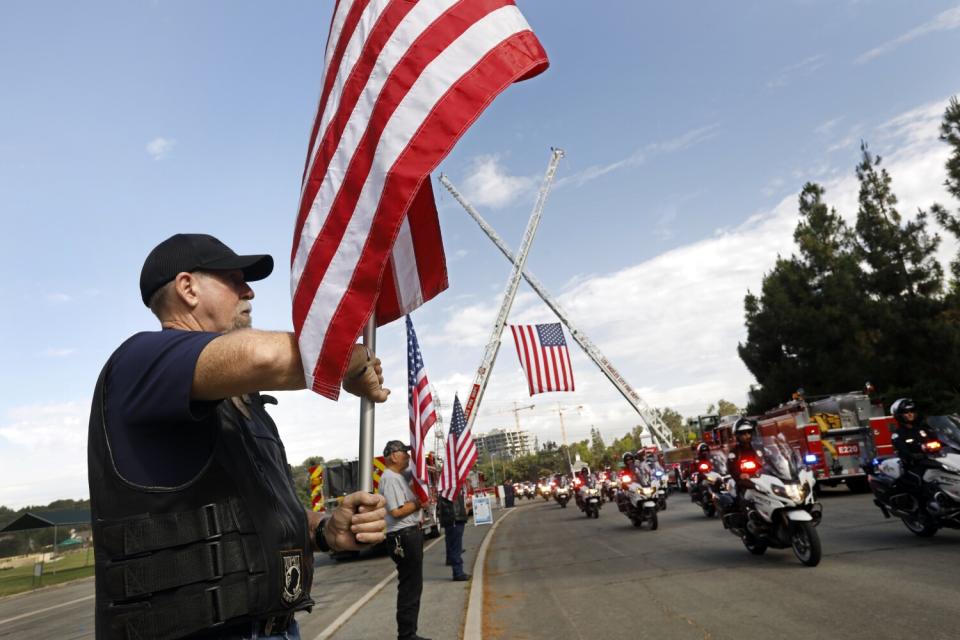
(835, 435)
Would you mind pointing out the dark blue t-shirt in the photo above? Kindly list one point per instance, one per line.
(158, 436)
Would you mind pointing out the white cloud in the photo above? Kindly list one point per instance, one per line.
(946, 21)
(52, 352)
(159, 148)
(638, 157)
(58, 297)
(804, 67)
(44, 453)
(489, 185)
(827, 127)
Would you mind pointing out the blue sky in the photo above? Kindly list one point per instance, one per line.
(688, 127)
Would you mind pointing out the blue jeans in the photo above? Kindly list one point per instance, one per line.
(454, 541)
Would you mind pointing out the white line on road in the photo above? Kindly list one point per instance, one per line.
(39, 611)
(346, 615)
(473, 627)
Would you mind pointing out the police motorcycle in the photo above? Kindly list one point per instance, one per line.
(545, 489)
(941, 482)
(778, 509)
(637, 499)
(561, 493)
(588, 498)
(706, 484)
(659, 483)
(610, 486)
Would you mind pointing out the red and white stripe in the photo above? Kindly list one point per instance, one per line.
(402, 82)
(459, 457)
(547, 368)
(422, 418)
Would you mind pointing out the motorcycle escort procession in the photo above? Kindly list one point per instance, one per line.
(778, 510)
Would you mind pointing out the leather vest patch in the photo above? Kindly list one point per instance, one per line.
(292, 576)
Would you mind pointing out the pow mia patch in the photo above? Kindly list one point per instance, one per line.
(292, 576)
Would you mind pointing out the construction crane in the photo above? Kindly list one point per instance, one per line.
(516, 417)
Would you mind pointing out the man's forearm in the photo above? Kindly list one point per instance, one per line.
(245, 361)
(411, 506)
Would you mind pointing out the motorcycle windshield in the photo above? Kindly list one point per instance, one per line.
(778, 459)
(947, 429)
(719, 461)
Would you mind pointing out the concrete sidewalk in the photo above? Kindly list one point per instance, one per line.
(443, 605)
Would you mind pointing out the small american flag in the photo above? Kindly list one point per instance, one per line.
(422, 413)
(544, 357)
(461, 454)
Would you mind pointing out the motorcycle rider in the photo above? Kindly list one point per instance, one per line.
(909, 439)
(743, 451)
(584, 481)
(702, 458)
(650, 467)
(629, 463)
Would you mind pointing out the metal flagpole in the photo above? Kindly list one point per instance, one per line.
(657, 428)
(367, 408)
(490, 355)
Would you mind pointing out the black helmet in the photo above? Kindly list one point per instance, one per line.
(744, 425)
(703, 448)
(902, 406)
(627, 456)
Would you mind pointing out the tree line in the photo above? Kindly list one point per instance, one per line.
(867, 302)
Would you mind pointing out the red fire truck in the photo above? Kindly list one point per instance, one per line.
(835, 435)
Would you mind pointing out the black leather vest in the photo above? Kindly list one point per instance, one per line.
(230, 546)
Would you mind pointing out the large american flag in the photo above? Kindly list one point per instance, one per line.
(402, 82)
(461, 454)
(422, 413)
(544, 357)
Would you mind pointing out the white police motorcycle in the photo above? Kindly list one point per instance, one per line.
(779, 510)
(637, 500)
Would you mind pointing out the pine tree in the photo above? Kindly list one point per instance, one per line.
(950, 133)
(916, 346)
(901, 257)
(806, 327)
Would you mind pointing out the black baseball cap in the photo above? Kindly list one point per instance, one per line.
(395, 445)
(193, 252)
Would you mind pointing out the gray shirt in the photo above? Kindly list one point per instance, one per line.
(397, 491)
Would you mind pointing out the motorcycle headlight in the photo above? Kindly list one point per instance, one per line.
(779, 490)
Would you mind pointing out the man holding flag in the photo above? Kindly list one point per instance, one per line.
(197, 527)
(461, 454)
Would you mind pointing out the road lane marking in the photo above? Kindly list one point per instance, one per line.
(473, 627)
(342, 619)
(39, 611)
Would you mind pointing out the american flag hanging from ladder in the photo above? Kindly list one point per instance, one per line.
(422, 414)
(402, 82)
(544, 357)
(461, 454)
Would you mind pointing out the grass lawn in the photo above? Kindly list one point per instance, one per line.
(73, 565)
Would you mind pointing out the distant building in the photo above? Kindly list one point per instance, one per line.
(504, 443)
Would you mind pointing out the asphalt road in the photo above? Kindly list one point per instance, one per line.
(552, 573)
